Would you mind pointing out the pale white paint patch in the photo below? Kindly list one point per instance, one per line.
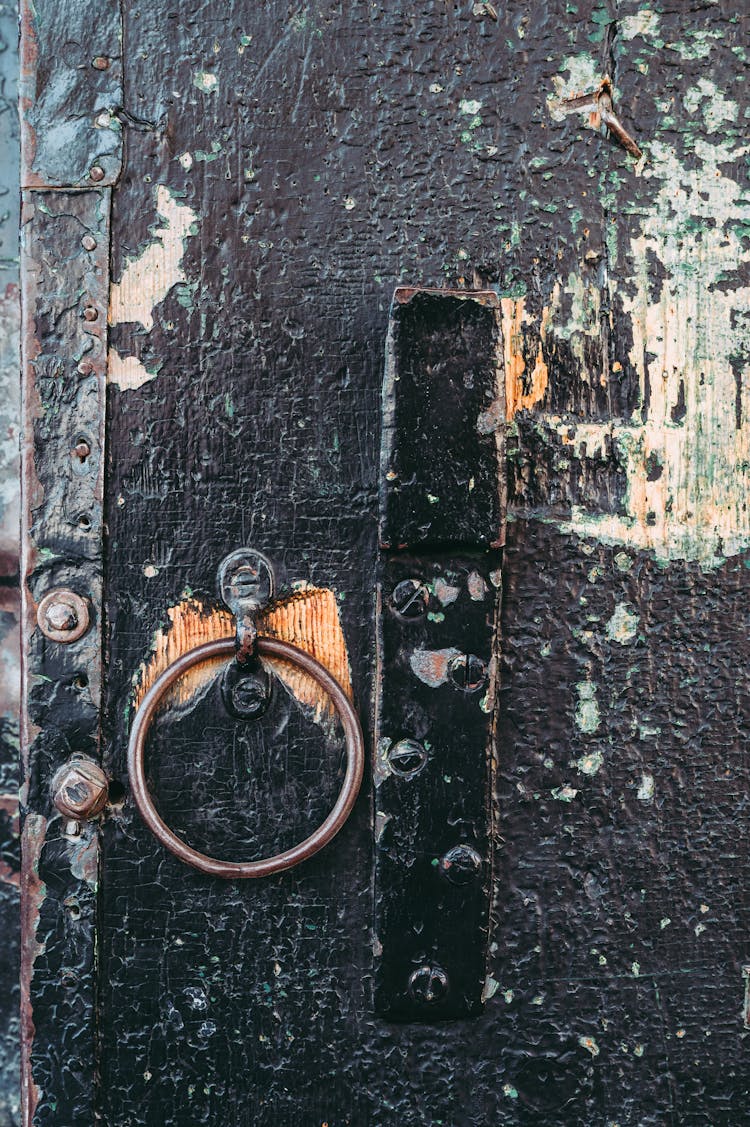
(623, 625)
(127, 372)
(587, 715)
(691, 343)
(590, 1044)
(580, 74)
(590, 764)
(186, 161)
(646, 788)
(564, 794)
(148, 278)
(205, 81)
(645, 23)
(445, 592)
(469, 106)
(491, 987)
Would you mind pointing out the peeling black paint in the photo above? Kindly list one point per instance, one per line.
(323, 170)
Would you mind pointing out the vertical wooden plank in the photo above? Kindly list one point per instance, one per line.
(10, 317)
(70, 96)
(65, 285)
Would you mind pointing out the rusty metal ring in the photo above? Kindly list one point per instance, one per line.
(266, 647)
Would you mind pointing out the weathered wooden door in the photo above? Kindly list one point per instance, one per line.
(219, 202)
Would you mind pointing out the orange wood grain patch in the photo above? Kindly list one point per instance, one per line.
(308, 619)
(522, 390)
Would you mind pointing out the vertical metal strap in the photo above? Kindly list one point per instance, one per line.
(442, 507)
(71, 154)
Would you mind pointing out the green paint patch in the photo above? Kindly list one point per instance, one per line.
(510, 1091)
(646, 789)
(207, 158)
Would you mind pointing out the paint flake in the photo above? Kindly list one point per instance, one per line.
(149, 277)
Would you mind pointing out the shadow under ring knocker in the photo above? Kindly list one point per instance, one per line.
(248, 589)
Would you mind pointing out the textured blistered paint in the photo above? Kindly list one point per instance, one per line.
(686, 449)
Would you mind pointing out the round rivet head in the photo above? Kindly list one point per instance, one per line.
(468, 672)
(101, 62)
(460, 865)
(62, 615)
(79, 789)
(428, 985)
(85, 368)
(88, 242)
(410, 598)
(96, 173)
(407, 758)
(246, 692)
(90, 313)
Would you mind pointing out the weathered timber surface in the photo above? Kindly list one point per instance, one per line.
(288, 167)
(10, 316)
(70, 94)
(64, 360)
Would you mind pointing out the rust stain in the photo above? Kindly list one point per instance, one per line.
(308, 619)
(522, 390)
(33, 893)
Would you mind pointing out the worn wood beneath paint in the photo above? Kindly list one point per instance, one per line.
(325, 154)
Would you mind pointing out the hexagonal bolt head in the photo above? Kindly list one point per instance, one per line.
(79, 789)
(428, 985)
(62, 615)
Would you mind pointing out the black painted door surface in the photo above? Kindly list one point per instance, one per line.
(220, 200)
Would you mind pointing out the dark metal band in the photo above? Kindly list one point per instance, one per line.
(265, 647)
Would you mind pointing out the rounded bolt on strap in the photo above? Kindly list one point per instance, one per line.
(407, 758)
(468, 672)
(410, 598)
(460, 865)
(62, 615)
(355, 758)
(428, 984)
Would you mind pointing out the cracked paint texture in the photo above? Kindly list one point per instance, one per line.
(340, 152)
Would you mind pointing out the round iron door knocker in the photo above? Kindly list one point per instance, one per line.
(264, 647)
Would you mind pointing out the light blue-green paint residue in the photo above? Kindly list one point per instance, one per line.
(206, 82)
